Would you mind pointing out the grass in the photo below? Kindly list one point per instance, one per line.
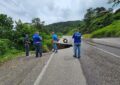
(86, 36)
(112, 30)
(71, 32)
(10, 55)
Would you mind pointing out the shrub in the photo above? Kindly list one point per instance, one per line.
(5, 45)
(116, 16)
(45, 48)
(87, 36)
(112, 30)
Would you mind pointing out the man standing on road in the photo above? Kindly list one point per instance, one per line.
(26, 43)
(54, 41)
(77, 44)
(37, 41)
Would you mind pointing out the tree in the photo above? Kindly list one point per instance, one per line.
(20, 30)
(116, 2)
(96, 18)
(89, 16)
(37, 23)
(6, 26)
(99, 11)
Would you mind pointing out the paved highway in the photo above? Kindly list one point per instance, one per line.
(63, 69)
(99, 65)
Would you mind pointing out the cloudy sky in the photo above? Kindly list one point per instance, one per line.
(49, 11)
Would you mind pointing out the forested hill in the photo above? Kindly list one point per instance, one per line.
(63, 27)
(94, 20)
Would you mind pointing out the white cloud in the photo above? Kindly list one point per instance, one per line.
(49, 11)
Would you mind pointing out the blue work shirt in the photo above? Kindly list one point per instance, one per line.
(54, 37)
(36, 39)
(76, 38)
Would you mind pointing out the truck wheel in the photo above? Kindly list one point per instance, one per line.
(65, 40)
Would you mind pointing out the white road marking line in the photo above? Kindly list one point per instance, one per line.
(37, 82)
(107, 52)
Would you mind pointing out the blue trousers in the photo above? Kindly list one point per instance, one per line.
(55, 48)
(38, 49)
(77, 49)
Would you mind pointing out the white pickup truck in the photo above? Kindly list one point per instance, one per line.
(66, 40)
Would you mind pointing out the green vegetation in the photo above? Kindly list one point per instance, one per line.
(98, 22)
(12, 36)
(71, 32)
(112, 30)
(11, 54)
(101, 22)
(63, 27)
(86, 36)
(4, 46)
(95, 19)
(116, 2)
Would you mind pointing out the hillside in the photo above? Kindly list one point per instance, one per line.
(113, 30)
(63, 27)
(97, 21)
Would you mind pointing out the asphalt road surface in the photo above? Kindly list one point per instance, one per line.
(98, 65)
(63, 70)
(23, 70)
(101, 64)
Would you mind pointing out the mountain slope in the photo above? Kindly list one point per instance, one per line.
(112, 30)
(63, 27)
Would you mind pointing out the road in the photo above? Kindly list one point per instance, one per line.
(99, 65)
(101, 62)
(22, 70)
(63, 70)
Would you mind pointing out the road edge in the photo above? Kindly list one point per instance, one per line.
(92, 41)
(39, 78)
